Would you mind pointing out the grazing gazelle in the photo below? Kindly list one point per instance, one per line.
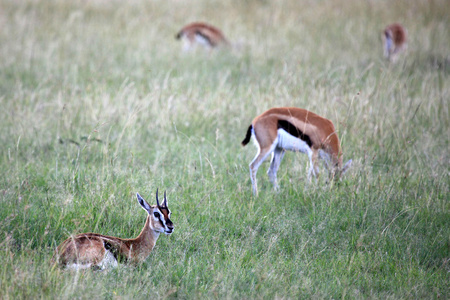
(394, 40)
(295, 129)
(201, 34)
(92, 250)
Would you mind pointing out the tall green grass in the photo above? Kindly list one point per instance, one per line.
(98, 103)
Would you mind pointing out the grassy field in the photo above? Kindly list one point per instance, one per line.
(97, 102)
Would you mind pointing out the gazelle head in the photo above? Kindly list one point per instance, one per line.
(339, 172)
(159, 215)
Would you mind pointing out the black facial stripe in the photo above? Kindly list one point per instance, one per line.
(294, 131)
(160, 221)
(165, 212)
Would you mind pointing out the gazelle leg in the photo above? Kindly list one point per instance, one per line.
(315, 161)
(314, 168)
(327, 162)
(277, 156)
(254, 165)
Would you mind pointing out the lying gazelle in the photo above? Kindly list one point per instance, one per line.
(201, 34)
(295, 129)
(394, 40)
(92, 250)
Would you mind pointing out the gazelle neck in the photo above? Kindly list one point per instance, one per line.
(148, 236)
(144, 243)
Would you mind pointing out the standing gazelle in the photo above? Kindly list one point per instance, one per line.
(201, 34)
(295, 129)
(92, 250)
(394, 40)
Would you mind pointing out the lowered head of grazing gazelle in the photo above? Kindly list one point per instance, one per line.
(295, 129)
(394, 41)
(92, 250)
(198, 34)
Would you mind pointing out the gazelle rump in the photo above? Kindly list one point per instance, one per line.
(295, 129)
(201, 34)
(92, 250)
(394, 41)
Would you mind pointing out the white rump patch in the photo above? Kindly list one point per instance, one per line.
(388, 45)
(186, 44)
(291, 143)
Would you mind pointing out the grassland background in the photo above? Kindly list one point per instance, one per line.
(97, 102)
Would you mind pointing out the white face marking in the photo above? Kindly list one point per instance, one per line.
(158, 220)
(291, 143)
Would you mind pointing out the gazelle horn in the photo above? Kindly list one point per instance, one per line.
(157, 201)
(165, 200)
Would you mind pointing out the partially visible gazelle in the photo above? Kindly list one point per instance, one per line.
(97, 251)
(295, 129)
(201, 34)
(394, 40)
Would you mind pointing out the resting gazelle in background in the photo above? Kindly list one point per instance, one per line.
(92, 250)
(394, 40)
(201, 34)
(295, 129)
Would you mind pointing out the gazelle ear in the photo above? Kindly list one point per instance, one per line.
(346, 166)
(143, 203)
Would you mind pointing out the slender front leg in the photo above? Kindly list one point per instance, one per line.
(254, 165)
(314, 168)
(277, 156)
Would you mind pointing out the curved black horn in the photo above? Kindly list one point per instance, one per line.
(157, 201)
(165, 199)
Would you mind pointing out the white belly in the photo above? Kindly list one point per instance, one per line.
(75, 266)
(291, 143)
(201, 40)
(109, 261)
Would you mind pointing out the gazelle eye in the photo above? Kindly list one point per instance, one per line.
(156, 214)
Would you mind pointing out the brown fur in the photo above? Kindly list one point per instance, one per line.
(210, 33)
(319, 133)
(90, 248)
(320, 130)
(397, 34)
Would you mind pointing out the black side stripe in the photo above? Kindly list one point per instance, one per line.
(294, 131)
(205, 37)
(109, 247)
